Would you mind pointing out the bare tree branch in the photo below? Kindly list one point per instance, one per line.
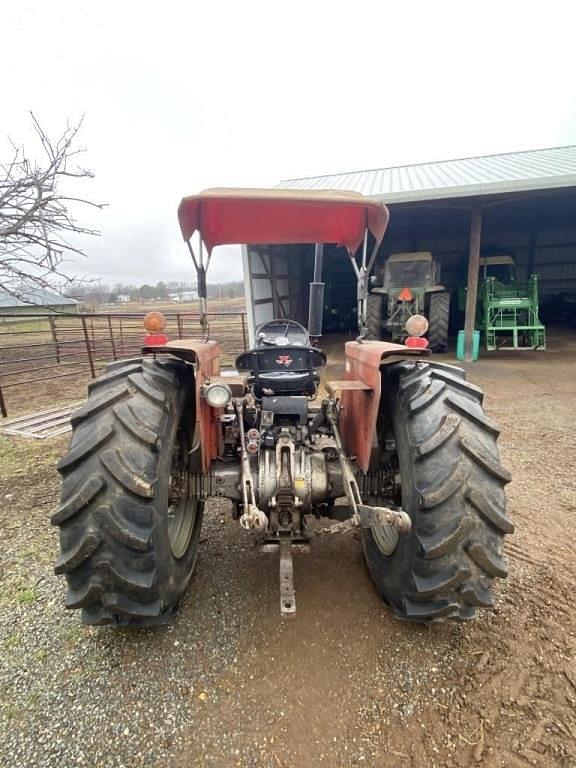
(36, 214)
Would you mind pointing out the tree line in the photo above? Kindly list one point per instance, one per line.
(97, 292)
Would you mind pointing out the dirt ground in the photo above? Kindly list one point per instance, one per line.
(341, 684)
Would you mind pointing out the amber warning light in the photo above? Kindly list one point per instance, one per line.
(155, 323)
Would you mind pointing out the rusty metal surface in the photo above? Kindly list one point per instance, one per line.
(205, 357)
(207, 365)
(360, 407)
(238, 384)
(334, 387)
(287, 592)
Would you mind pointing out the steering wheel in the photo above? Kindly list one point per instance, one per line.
(282, 332)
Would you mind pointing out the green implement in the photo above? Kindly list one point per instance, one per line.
(509, 315)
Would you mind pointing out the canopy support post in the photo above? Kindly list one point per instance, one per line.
(201, 270)
(362, 277)
(472, 291)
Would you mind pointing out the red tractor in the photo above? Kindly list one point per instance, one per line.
(403, 440)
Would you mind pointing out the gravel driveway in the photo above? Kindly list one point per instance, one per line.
(342, 684)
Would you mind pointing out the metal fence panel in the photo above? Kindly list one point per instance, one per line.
(37, 349)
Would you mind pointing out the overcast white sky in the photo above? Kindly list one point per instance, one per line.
(180, 96)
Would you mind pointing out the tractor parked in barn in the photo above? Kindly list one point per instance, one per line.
(410, 286)
(402, 439)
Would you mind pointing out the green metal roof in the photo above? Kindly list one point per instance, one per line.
(33, 297)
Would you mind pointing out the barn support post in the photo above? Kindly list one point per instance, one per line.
(532, 242)
(473, 271)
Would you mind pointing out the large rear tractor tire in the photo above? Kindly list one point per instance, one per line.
(438, 319)
(375, 304)
(129, 524)
(452, 487)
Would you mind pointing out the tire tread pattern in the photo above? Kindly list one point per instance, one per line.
(374, 304)
(438, 320)
(107, 515)
(460, 517)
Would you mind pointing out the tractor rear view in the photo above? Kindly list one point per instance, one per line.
(410, 286)
(401, 440)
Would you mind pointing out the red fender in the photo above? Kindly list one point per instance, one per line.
(205, 358)
(360, 407)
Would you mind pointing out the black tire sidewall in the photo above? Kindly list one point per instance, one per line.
(392, 574)
(375, 315)
(173, 573)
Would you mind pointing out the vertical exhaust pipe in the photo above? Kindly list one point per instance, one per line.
(316, 303)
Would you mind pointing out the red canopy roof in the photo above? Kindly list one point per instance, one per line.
(274, 216)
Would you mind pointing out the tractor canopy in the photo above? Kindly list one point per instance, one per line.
(502, 267)
(273, 216)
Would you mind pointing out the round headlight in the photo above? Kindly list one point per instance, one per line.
(417, 325)
(218, 395)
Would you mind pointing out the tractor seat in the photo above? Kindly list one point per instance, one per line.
(289, 370)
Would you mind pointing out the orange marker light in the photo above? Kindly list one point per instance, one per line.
(154, 322)
(405, 295)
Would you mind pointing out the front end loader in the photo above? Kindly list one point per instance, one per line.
(401, 440)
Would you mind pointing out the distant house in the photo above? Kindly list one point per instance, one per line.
(122, 298)
(35, 301)
(184, 296)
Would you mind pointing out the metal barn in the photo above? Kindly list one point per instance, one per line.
(522, 204)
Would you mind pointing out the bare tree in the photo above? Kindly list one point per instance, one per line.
(37, 226)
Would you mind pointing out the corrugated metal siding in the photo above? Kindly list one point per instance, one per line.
(514, 171)
(267, 264)
(554, 261)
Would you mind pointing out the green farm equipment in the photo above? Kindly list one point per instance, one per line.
(508, 311)
(410, 286)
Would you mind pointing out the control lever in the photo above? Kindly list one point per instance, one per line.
(362, 514)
